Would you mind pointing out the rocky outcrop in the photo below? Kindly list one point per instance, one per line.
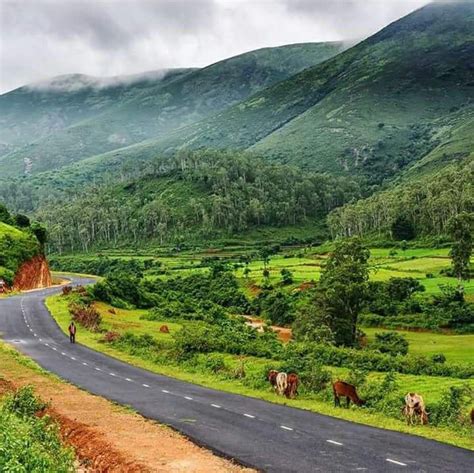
(33, 274)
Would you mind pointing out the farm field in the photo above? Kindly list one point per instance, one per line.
(456, 348)
(305, 264)
(129, 321)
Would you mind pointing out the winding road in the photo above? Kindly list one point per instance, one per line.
(266, 436)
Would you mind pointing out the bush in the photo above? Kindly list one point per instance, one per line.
(449, 410)
(86, 315)
(24, 403)
(438, 358)
(316, 379)
(392, 343)
(29, 443)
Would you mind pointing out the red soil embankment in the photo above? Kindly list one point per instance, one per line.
(33, 274)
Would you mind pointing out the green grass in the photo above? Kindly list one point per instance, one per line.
(129, 320)
(456, 348)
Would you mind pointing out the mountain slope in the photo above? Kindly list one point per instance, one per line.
(167, 106)
(35, 111)
(372, 108)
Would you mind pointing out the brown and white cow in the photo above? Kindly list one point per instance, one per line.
(415, 407)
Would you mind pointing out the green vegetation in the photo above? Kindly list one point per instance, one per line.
(18, 242)
(218, 351)
(200, 196)
(425, 206)
(29, 442)
(101, 119)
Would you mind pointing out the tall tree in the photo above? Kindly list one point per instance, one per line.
(343, 289)
(460, 228)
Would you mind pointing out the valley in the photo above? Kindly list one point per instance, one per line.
(231, 244)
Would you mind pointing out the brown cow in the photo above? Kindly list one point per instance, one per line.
(272, 376)
(343, 389)
(292, 386)
(472, 416)
(415, 406)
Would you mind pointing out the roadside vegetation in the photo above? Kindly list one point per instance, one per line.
(30, 441)
(188, 316)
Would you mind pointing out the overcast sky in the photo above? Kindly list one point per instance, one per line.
(44, 38)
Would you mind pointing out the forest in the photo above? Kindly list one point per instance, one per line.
(195, 196)
(413, 209)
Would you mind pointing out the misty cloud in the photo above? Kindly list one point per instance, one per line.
(45, 38)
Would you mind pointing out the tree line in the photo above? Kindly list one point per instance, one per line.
(195, 194)
(414, 209)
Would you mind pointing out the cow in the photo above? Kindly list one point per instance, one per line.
(343, 389)
(281, 383)
(292, 386)
(472, 416)
(415, 406)
(272, 376)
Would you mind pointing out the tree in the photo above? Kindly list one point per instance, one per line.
(286, 277)
(40, 233)
(392, 343)
(402, 229)
(22, 221)
(344, 289)
(460, 229)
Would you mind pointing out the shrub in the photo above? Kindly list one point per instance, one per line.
(438, 358)
(23, 402)
(449, 410)
(316, 379)
(27, 442)
(392, 343)
(86, 315)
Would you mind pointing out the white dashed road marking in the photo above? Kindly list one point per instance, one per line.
(145, 385)
(165, 391)
(285, 427)
(85, 364)
(396, 462)
(250, 416)
(216, 406)
(112, 374)
(129, 380)
(188, 398)
(97, 369)
(72, 358)
(334, 442)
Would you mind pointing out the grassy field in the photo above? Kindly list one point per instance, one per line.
(424, 264)
(129, 321)
(456, 348)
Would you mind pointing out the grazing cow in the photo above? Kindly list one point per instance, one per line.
(343, 389)
(415, 406)
(272, 377)
(292, 386)
(472, 416)
(281, 383)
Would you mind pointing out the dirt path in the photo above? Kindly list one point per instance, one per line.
(106, 437)
(284, 333)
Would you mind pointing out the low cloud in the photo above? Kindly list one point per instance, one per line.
(44, 38)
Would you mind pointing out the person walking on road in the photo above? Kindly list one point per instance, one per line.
(72, 332)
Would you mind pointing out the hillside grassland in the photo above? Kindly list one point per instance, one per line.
(16, 246)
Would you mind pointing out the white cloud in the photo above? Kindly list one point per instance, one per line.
(44, 38)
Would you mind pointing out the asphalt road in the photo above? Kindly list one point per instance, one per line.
(260, 434)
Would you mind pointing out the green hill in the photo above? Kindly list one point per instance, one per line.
(16, 246)
(372, 109)
(400, 97)
(100, 120)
